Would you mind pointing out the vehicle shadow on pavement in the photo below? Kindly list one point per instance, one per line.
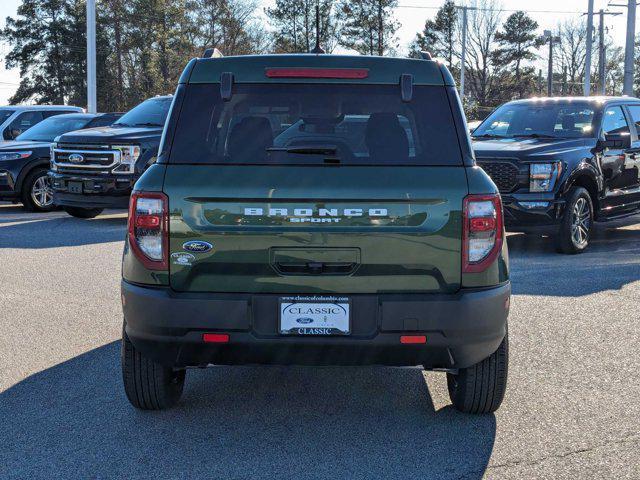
(20, 229)
(611, 262)
(73, 421)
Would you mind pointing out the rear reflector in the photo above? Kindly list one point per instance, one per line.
(350, 73)
(215, 337)
(409, 339)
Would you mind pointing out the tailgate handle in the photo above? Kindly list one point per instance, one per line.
(316, 268)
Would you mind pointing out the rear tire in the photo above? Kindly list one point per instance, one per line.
(79, 212)
(149, 385)
(577, 222)
(480, 388)
(37, 195)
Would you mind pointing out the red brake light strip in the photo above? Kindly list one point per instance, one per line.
(293, 72)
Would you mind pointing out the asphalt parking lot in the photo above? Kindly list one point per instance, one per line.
(572, 408)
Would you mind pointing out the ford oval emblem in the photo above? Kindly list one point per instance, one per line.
(197, 246)
(304, 320)
(76, 158)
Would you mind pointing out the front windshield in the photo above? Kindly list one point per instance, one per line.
(544, 119)
(5, 113)
(150, 113)
(50, 128)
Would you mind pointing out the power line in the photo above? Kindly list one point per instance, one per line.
(564, 12)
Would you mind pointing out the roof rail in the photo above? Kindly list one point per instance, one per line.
(212, 53)
(426, 56)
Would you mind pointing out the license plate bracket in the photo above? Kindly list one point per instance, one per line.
(74, 187)
(314, 316)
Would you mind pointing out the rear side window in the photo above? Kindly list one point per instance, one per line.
(635, 115)
(614, 121)
(330, 123)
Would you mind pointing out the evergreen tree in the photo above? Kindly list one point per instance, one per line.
(439, 35)
(369, 26)
(516, 40)
(39, 37)
(295, 24)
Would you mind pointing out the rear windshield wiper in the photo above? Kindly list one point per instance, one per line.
(306, 150)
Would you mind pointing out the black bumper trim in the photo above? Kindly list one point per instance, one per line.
(90, 201)
(461, 329)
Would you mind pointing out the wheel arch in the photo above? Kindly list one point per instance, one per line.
(586, 179)
(27, 169)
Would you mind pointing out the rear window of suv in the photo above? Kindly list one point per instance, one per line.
(315, 123)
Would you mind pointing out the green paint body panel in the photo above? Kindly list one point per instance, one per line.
(416, 248)
(251, 69)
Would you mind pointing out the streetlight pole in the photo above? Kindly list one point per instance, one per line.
(548, 37)
(91, 56)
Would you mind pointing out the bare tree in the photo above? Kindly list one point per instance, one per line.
(481, 71)
(571, 53)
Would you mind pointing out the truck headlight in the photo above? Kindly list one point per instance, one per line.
(543, 176)
(129, 154)
(14, 155)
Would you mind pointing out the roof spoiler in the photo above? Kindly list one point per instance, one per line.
(212, 53)
(426, 56)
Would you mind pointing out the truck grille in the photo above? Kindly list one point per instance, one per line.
(85, 158)
(504, 174)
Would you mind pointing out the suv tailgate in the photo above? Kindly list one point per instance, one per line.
(316, 229)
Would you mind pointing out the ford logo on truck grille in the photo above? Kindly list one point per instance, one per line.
(197, 246)
(76, 158)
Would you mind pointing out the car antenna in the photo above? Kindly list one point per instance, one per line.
(318, 49)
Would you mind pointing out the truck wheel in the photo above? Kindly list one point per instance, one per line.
(79, 212)
(480, 388)
(575, 228)
(148, 385)
(37, 195)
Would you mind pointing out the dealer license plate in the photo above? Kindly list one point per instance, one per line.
(315, 316)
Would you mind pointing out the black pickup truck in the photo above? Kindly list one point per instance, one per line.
(95, 169)
(563, 163)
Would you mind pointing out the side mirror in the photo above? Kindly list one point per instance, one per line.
(618, 141)
(15, 132)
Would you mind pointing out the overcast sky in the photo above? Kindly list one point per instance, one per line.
(411, 14)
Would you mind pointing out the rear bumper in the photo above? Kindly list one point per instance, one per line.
(461, 329)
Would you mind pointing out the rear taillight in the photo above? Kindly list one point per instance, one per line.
(482, 233)
(149, 229)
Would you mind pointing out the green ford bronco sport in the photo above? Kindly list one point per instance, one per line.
(315, 210)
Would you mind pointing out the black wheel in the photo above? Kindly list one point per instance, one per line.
(575, 228)
(148, 385)
(79, 212)
(480, 388)
(37, 195)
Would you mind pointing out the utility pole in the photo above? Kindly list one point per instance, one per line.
(464, 50)
(587, 62)
(463, 56)
(91, 57)
(602, 53)
(629, 46)
(548, 37)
